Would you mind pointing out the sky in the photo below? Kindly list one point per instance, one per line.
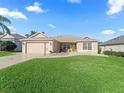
(100, 19)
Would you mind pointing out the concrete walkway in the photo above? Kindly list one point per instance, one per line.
(19, 58)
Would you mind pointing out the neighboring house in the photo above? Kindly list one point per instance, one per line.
(15, 38)
(116, 44)
(39, 43)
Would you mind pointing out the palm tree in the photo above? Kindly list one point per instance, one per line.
(31, 33)
(3, 26)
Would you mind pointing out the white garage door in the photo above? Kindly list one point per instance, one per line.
(35, 48)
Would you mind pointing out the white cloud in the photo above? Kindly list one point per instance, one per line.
(108, 32)
(13, 14)
(35, 8)
(74, 1)
(115, 6)
(12, 28)
(121, 29)
(52, 26)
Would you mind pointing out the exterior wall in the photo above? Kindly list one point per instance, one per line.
(49, 47)
(112, 48)
(24, 45)
(56, 47)
(93, 51)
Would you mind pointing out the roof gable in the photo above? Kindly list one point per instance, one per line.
(7, 36)
(38, 35)
(88, 39)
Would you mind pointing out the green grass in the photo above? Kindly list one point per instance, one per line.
(6, 54)
(79, 74)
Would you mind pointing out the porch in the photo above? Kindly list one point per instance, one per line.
(68, 47)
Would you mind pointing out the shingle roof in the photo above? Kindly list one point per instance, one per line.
(66, 38)
(115, 41)
(17, 36)
(61, 38)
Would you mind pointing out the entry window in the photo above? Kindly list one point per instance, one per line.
(87, 46)
(66, 46)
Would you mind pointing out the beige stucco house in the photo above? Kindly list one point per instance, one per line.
(39, 43)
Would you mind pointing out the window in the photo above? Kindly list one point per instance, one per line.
(87, 46)
(84, 46)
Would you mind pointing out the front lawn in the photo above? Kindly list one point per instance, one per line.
(6, 54)
(79, 74)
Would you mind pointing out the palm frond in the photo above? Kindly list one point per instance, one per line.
(4, 19)
(5, 28)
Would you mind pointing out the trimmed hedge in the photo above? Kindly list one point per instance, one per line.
(114, 53)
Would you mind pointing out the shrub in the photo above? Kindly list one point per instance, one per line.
(7, 46)
(107, 53)
(114, 53)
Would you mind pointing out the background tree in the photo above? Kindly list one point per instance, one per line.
(3, 26)
(1, 33)
(31, 33)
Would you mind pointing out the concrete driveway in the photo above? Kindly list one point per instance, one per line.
(15, 59)
(19, 58)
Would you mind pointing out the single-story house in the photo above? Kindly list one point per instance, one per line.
(116, 44)
(15, 38)
(39, 43)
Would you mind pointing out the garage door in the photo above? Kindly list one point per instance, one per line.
(36, 48)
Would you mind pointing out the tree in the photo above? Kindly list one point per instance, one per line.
(3, 26)
(31, 33)
(1, 33)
